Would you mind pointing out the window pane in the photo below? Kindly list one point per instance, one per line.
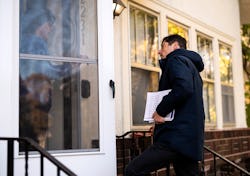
(152, 41)
(59, 113)
(206, 51)
(59, 74)
(226, 74)
(132, 36)
(143, 37)
(209, 102)
(228, 104)
(49, 31)
(175, 28)
(140, 37)
(142, 82)
(144, 58)
(204, 46)
(58, 28)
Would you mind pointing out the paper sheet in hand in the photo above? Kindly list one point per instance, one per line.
(153, 100)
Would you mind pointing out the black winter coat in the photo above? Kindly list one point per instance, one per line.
(185, 134)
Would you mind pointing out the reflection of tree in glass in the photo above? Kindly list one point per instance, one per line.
(225, 65)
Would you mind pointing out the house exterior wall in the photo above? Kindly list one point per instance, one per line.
(218, 19)
(217, 14)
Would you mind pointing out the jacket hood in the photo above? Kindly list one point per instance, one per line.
(193, 56)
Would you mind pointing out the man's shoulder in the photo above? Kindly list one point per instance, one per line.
(177, 59)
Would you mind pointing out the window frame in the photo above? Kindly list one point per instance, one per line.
(181, 25)
(229, 85)
(140, 65)
(208, 80)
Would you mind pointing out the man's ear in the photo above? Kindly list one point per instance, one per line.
(176, 45)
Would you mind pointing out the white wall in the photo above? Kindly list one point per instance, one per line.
(221, 14)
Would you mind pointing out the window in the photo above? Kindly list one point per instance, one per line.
(209, 102)
(204, 46)
(227, 82)
(177, 28)
(225, 64)
(59, 74)
(144, 59)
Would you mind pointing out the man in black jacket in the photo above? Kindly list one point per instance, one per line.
(179, 141)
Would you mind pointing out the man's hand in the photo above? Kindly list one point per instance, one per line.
(157, 118)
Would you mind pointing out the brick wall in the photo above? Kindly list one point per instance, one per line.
(233, 144)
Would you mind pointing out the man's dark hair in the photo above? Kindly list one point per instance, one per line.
(176, 38)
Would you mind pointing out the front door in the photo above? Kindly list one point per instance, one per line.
(65, 62)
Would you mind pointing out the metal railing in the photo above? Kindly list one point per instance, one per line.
(230, 163)
(136, 148)
(29, 145)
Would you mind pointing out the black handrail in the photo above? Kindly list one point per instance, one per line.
(134, 134)
(215, 154)
(242, 171)
(28, 144)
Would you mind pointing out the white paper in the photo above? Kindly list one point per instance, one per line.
(153, 100)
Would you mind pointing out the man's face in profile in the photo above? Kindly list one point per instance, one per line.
(166, 48)
(44, 30)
